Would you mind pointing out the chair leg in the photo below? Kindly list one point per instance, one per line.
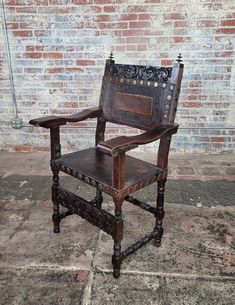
(56, 207)
(98, 200)
(159, 213)
(117, 236)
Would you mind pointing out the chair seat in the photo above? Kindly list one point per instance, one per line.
(95, 168)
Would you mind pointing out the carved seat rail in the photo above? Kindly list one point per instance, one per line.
(85, 209)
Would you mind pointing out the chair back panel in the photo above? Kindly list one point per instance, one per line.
(140, 96)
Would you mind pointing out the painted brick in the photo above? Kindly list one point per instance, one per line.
(59, 49)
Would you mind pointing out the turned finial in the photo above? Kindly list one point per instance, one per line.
(111, 55)
(179, 58)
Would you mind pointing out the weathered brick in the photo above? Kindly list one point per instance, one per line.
(53, 55)
(59, 47)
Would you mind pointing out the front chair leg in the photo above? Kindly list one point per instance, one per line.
(159, 212)
(117, 237)
(56, 207)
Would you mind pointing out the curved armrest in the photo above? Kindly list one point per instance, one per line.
(122, 144)
(53, 121)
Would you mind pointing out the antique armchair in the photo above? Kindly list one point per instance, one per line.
(143, 97)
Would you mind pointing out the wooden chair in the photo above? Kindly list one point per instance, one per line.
(144, 97)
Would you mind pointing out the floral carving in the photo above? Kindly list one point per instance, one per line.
(145, 73)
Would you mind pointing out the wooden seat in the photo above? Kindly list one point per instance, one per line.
(95, 168)
(144, 97)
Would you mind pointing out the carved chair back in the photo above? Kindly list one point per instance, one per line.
(140, 96)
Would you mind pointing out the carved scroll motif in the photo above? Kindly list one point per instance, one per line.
(141, 72)
(86, 210)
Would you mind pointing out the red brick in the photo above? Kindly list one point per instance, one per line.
(129, 17)
(55, 70)
(191, 104)
(13, 26)
(144, 16)
(226, 31)
(22, 33)
(139, 24)
(33, 55)
(207, 23)
(109, 9)
(80, 2)
(85, 62)
(104, 1)
(228, 22)
(23, 148)
(133, 33)
(68, 104)
(224, 54)
(102, 18)
(181, 23)
(217, 139)
(53, 55)
(166, 62)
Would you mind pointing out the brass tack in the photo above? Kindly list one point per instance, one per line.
(169, 97)
(141, 82)
(134, 81)
(148, 83)
(93, 183)
(100, 187)
(62, 167)
(167, 106)
(156, 84)
(164, 85)
(171, 87)
(165, 116)
(121, 80)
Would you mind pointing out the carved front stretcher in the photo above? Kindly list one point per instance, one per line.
(136, 96)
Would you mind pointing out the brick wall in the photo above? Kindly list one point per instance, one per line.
(59, 48)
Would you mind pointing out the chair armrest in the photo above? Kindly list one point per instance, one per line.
(53, 121)
(114, 147)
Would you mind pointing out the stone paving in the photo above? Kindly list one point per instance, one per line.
(195, 264)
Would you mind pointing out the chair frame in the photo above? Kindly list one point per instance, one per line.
(115, 148)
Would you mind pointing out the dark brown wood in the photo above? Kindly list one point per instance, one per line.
(79, 206)
(141, 204)
(159, 212)
(134, 103)
(139, 244)
(121, 144)
(118, 172)
(117, 237)
(144, 97)
(55, 154)
(52, 121)
(95, 168)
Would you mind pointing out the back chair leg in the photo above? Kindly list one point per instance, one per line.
(56, 207)
(159, 212)
(117, 237)
(99, 198)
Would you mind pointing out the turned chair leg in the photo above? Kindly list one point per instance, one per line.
(159, 212)
(56, 206)
(117, 237)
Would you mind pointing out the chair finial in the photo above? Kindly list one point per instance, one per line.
(179, 58)
(111, 55)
